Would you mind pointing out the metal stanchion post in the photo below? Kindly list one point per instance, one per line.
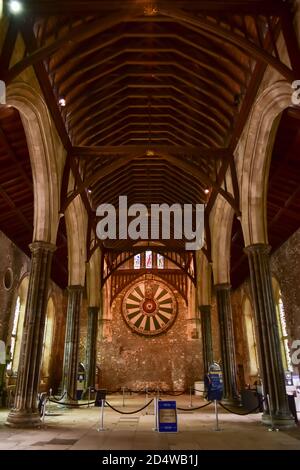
(50, 395)
(217, 416)
(272, 428)
(123, 388)
(44, 410)
(146, 399)
(89, 396)
(191, 398)
(101, 428)
(155, 401)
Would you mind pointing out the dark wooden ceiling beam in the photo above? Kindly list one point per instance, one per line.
(88, 48)
(15, 209)
(168, 78)
(87, 7)
(8, 47)
(166, 102)
(214, 70)
(143, 118)
(107, 169)
(91, 152)
(186, 185)
(150, 128)
(42, 76)
(145, 137)
(260, 54)
(240, 122)
(211, 82)
(83, 31)
(11, 154)
(140, 185)
(91, 106)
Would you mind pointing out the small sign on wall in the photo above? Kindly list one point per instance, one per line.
(167, 416)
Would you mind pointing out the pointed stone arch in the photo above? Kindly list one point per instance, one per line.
(47, 158)
(257, 152)
(221, 220)
(76, 225)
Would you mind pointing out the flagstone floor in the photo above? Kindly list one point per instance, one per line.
(77, 429)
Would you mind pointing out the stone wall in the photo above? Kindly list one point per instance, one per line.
(14, 266)
(172, 360)
(285, 267)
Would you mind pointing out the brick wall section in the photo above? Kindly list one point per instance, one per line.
(172, 360)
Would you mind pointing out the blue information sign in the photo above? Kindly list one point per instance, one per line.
(167, 416)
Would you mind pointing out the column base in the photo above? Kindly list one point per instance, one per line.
(23, 419)
(282, 421)
(235, 402)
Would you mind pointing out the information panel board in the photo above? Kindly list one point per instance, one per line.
(167, 416)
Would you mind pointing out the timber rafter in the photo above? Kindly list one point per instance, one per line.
(157, 93)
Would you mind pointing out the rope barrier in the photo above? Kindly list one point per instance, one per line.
(240, 414)
(74, 405)
(129, 412)
(192, 409)
(58, 399)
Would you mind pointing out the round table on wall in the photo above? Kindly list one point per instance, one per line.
(149, 307)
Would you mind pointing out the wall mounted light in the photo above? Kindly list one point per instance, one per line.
(15, 7)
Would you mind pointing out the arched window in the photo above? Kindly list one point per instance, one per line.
(282, 327)
(160, 261)
(137, 261)
(48, 338)
(13, 338)
(250, 335)
(148, 259)
(17, 326)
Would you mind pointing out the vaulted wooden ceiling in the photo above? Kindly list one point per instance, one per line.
(156, 93)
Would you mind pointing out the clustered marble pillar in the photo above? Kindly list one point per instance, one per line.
(205, 313)
(70, 368)
(230, 394)
(271, 366)
(91, 346)
(25, 413)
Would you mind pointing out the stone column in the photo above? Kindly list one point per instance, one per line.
(25, 413)
(205, 313)
(270, 360)
(70, 368)
(91, 346)
(230, 394)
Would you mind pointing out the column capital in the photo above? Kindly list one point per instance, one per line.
(38, 245)
(205, 308)
(92, 309)
(262, 248)
(223, 286)
(75, 288)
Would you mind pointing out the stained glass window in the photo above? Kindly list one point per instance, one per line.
(282, 327)
(148, 259)
(137, 261)
(14, 331)
(285, 350)
(160, 261)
